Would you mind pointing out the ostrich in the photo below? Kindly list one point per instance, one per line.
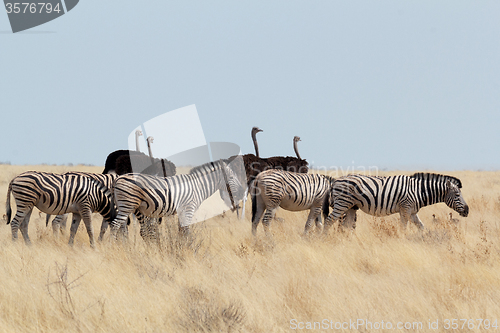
(143, 164)
(254, 164)
(289, 163)
(111, 160)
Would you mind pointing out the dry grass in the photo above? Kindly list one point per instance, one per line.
(222, 279)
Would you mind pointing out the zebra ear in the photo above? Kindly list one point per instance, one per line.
(448, 184)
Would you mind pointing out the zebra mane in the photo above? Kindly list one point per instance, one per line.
(329, 178)
(206, 168)
(435, 176)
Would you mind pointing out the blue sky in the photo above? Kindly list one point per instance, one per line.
(392, 84)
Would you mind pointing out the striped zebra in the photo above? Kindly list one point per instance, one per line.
(381, 196)
(151, 196)
(59, 222)
(58, 194)
(291, 191)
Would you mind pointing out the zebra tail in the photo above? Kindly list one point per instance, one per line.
(47, 220)
(8, 211)
(326, 205)
(253, 188)
(113, 212)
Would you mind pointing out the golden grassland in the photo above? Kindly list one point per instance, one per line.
(223, 279)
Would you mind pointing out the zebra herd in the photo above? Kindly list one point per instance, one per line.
(374, 195)
(147, 196)
(116, 197)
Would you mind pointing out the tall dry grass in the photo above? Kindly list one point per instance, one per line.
(223, 279)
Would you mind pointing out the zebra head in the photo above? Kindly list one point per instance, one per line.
(453, 199)
(232, 187)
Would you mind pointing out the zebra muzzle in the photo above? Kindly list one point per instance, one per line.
(465, 211)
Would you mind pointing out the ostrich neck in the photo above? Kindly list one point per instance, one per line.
(296, 149)
(150, 152)
(137, 142)
(256, 146)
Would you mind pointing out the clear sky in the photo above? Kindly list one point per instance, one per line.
(393, 84)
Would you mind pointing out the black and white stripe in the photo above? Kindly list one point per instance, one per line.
(57, 194)
(151, 196)
(291, 191)
(59, 222)
(380, 196)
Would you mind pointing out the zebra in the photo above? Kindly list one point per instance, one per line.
(58, 194)
(59, 222)
(152, 196)
(381, 196)
(291, 191)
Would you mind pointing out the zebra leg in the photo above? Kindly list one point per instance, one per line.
(62, 226)
(257, 215)
(124, 228)
(21, 213)
(87, 219)
(59, 224)
(245, 197)
(105, 224)
(350, 219)
(319, 223)
(120, 222)
(404, 217)
(314, 215)
(334, 216)
(24, 227)
(266, 220)
(416, 221)
(185, 219)
(328, 223)
(104, 227)
(149, 229)
(75, 223)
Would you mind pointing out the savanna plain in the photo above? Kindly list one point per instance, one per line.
(223, 279)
